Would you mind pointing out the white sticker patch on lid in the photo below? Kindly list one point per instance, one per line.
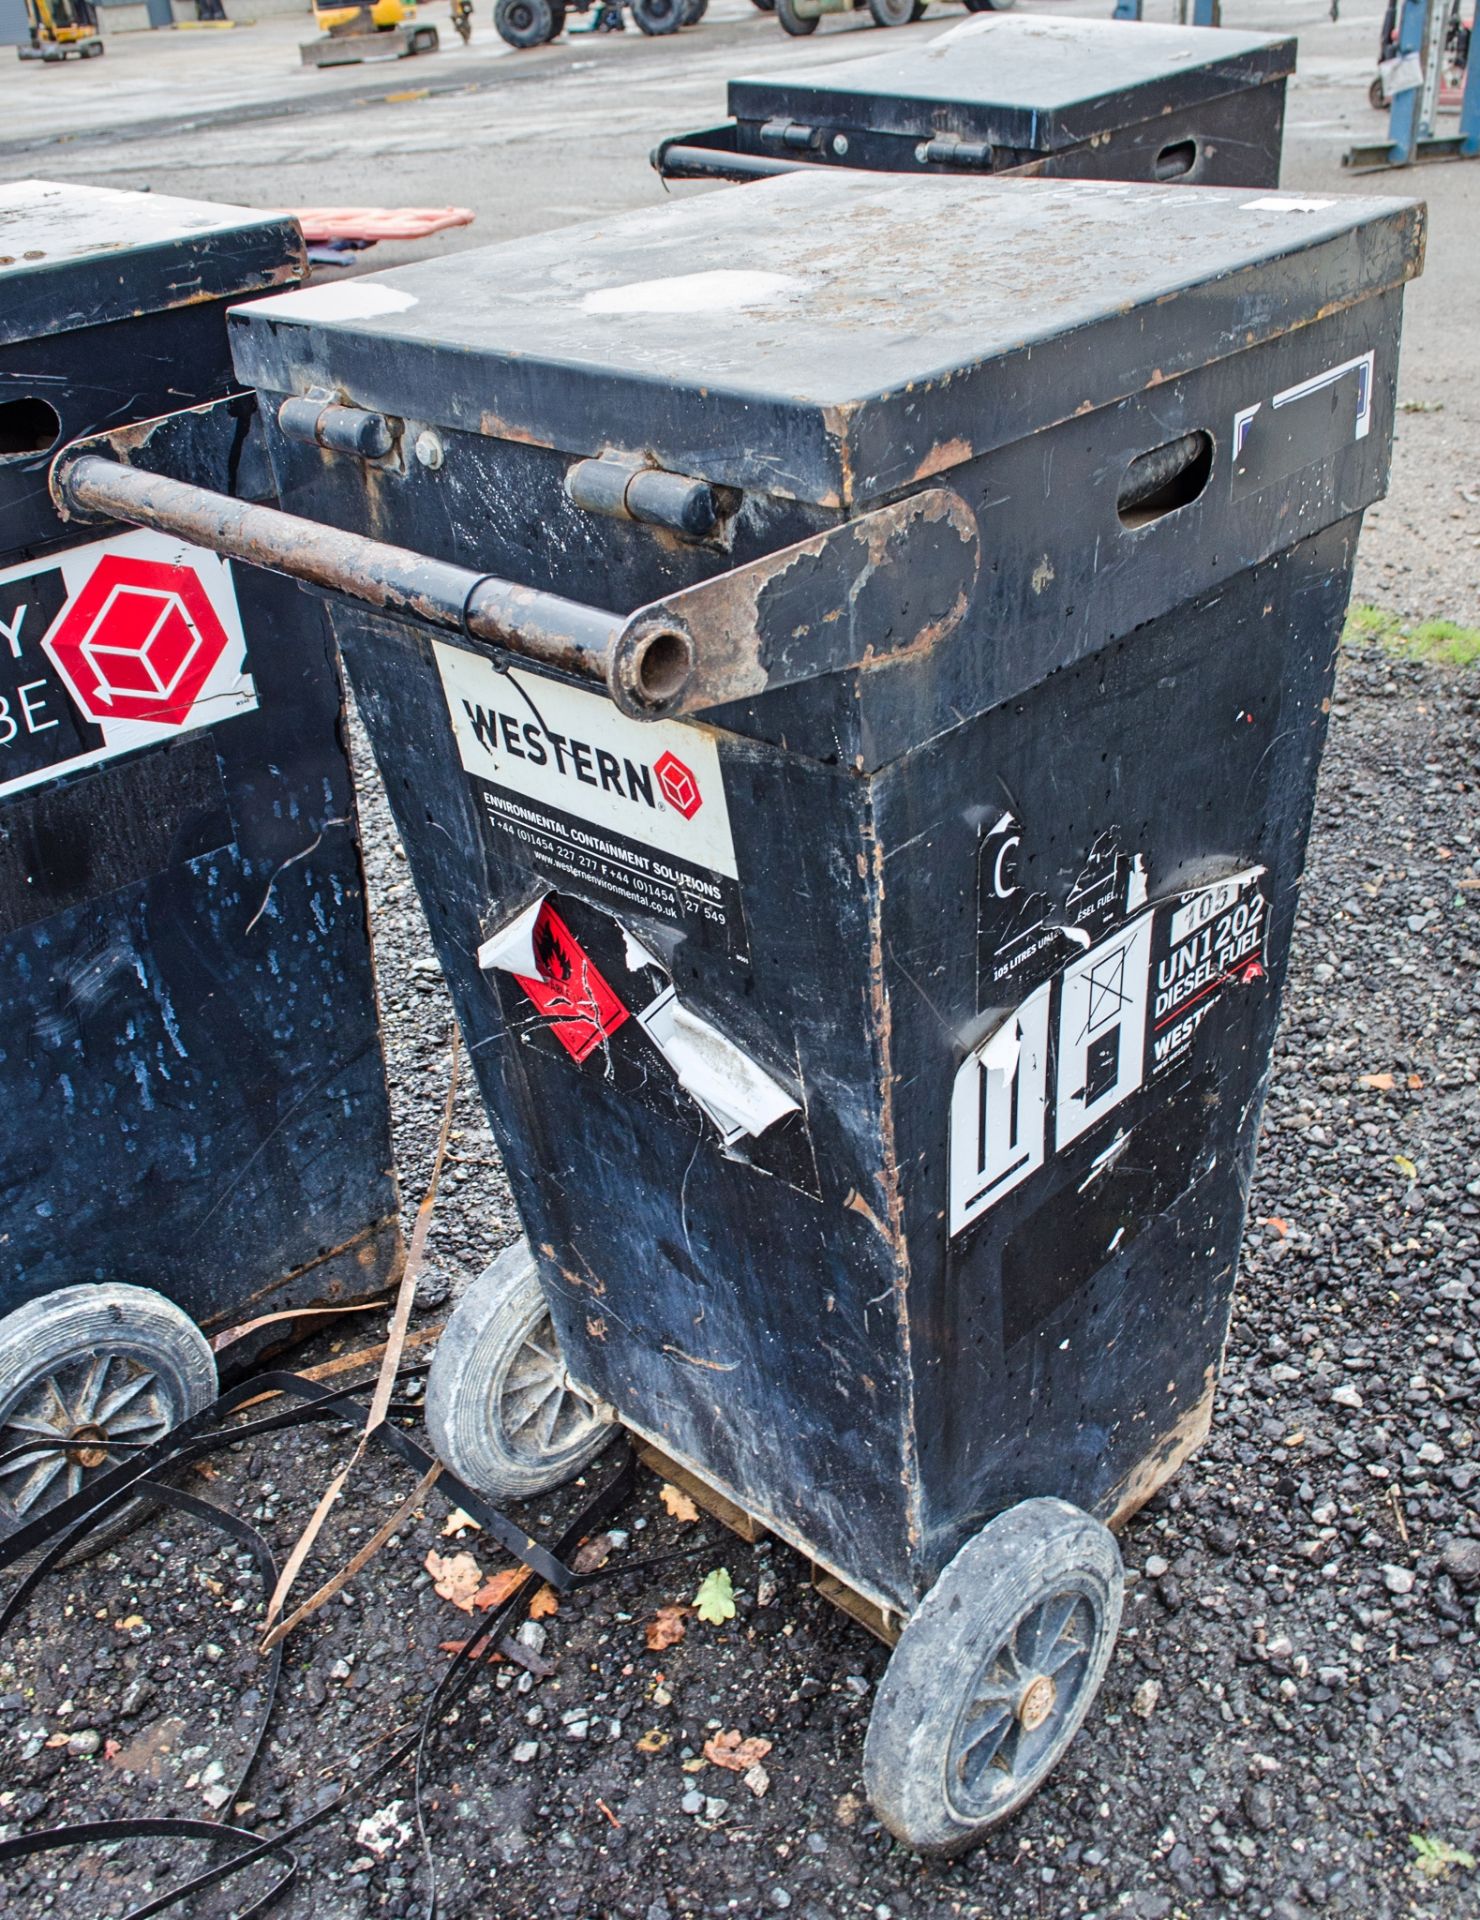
(341, 300)
(721, 290)
(1284, 203)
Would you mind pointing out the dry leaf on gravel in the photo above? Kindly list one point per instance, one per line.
(679, 1504)
(653, 1741)
(666, 1628)
(1378, 1082)
(456, 1576)
(593, 1553)
(499, 1587)
(544, 1604)
(457, 1522)
(729, 1750)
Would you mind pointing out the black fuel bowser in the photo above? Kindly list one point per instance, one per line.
(197, 1127)
(1071, 98)
(850, 658)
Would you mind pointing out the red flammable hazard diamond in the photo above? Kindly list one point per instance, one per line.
(138, 642)
(572, 995)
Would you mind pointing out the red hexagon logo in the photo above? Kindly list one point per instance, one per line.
(138, 642)
(680, 788)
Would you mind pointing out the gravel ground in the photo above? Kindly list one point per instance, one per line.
(1295, 1694)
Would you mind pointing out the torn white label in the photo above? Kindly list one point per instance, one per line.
(738, 1095)
(998, 1106)
(511, 948)
(1102, 1029)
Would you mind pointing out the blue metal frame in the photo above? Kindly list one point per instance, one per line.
(1409, 138)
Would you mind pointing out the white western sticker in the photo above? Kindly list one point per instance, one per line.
(631, 813)
(112, 646)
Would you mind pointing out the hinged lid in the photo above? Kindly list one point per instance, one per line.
(831, 336)
(1036, 85)
(75, 257)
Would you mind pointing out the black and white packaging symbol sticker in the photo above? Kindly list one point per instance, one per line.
(1118, 1015)
(112, 646)
(630, 814)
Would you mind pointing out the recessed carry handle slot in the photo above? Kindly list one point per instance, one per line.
(1175, 161)
(1168, 477)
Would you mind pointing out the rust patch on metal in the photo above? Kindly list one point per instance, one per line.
(944, 455)
(1157, 1467)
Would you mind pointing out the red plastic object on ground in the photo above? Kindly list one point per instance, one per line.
(377, 223)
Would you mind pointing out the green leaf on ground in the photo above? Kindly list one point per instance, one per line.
(715, 1600)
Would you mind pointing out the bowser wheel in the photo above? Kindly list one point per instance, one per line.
(79, 1369)
(525, 23)
(988, 6)
(892, 13)
(993, 1675)
(499, 1410)
(659, 17)
(793, 22)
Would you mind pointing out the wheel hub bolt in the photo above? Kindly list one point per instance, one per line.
(87, 1446)
(1037, 1702)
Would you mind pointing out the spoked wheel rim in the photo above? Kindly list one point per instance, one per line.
(537, 1412)
(1026, 1694)
(61, 1426)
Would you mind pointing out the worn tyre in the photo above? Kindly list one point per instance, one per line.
(498, 1410)
(694, 11)
(793, 22)
(765, 6)
(988, 6)
(993, 1675)
(525, 23)
(892, 13)
(658, 17)
(90, 1364)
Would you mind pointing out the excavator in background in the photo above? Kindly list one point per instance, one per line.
(61, 30)
(356, 30)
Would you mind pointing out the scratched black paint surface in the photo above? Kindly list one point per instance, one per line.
(1145, 698)
(191, 1066)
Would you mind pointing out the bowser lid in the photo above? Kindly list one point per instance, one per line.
(73, 256)
(831, 336)
(1034, 85)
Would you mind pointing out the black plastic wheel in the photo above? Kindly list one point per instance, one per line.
(1375, 95)
(993, 1675)
(793, 22)
(660, 16)
(79, 1369)
(498, 1408)
(525, 23)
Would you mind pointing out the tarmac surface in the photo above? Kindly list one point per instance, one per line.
(1291, 1725)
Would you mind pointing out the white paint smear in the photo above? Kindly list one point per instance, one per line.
(341, 300)
(511, 949)
(722, 290)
